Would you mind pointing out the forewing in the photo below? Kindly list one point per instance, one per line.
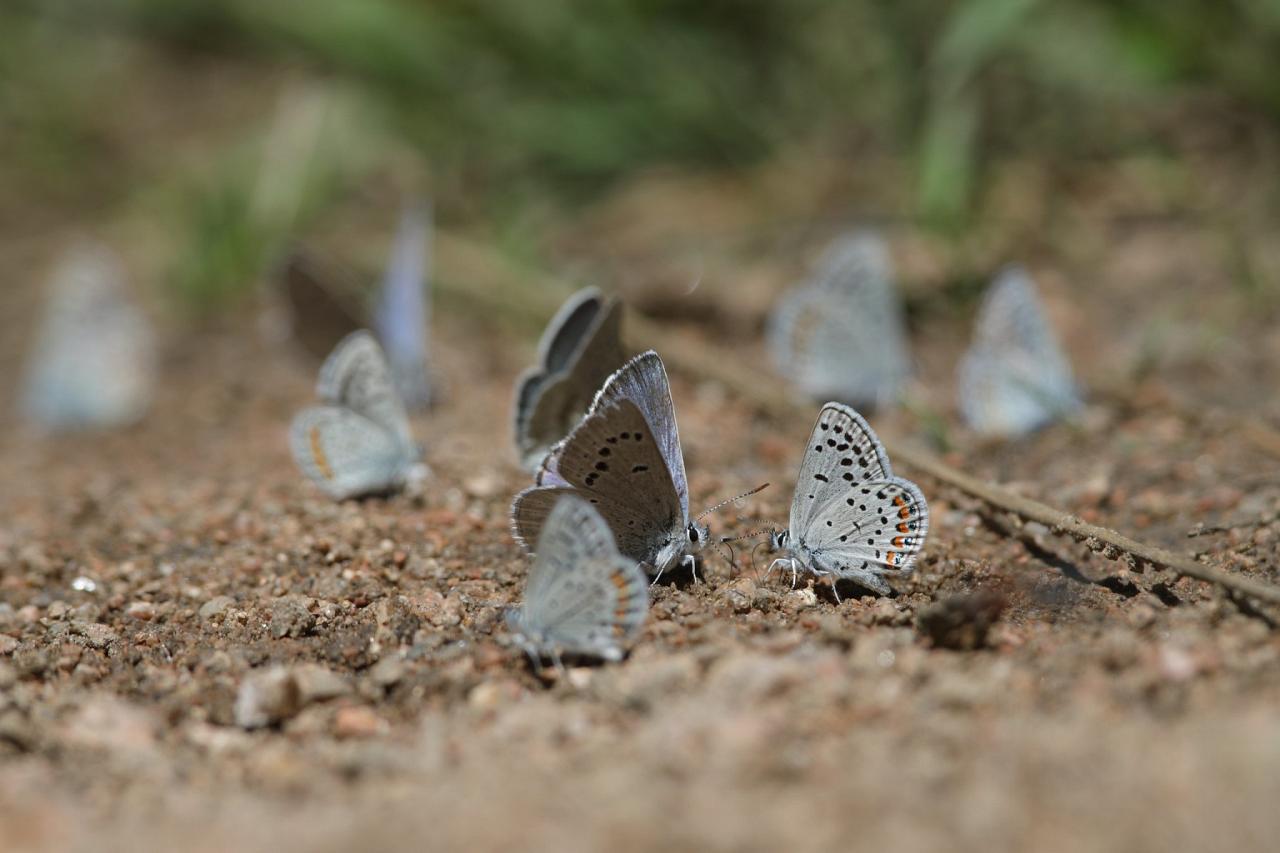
(643, 382)
(356, 376)
(347, 454)
(568, 328)
(829, 342)
(1015, 377)
(877, 528)
(612, 461)
(549, 406)
(843, 453)
(402, 315)
(321, 306)
(856, 262)
(93, 361)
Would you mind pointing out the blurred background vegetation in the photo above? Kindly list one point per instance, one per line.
(515, 113)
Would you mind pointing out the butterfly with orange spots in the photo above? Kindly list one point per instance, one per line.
(851, 518)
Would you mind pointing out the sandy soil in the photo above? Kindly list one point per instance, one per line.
(1016, 693)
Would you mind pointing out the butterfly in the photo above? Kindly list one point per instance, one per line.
(323, 301)
(841, 334)
(624, 459)
(851, 518)
(1014, 378)
(359, 441)
(582, 597)
(578, 351)
(402, 315)
(93, 364)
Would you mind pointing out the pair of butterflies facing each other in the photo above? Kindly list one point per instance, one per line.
(93, 364)
(841, 335)
(324, 310)
(851, 519)
(358, 441)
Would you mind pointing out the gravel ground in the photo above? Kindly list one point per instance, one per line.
(200, 651)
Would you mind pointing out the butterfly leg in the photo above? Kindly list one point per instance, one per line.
(795, 572)
(769, 570)
(560, 668)
(692, 562)
(648, 568)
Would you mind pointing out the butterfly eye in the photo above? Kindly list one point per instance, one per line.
(693, 534)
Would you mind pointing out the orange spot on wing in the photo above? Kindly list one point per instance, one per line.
(903, 528)
(619, 580)
(317, 453)
(897, 541)
(891, 558)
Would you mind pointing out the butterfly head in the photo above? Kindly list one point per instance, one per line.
(697, 536)
(524, 636)
(779, 540)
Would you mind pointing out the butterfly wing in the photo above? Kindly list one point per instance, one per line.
(347, 454)
(612, 461)
(842, 333)
(843, 452)
(402, 315)
(643, 382)
(578, 357)
(1015, 377)
(321, 303)
(856, 262)
(93, 362)
(568, 329)
(356, 376)
(874, 529)
(582, 595)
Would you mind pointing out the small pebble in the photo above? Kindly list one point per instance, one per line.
(267, 697)
(357, 722)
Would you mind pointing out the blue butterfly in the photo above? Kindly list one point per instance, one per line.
(1014, 378)
(841, 334)
(402, 316)
(93, 364)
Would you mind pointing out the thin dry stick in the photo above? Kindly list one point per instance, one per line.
(690, 355)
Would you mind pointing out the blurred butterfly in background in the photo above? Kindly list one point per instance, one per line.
(323, 300)
(326, 303)
(623, 458)
(1014, 378)
(841, 334)
(851, 518)
(403, 313)
(93, 363)
(579, 350)
(582, 597)
(359, 441)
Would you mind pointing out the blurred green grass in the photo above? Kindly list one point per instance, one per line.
(517, 105)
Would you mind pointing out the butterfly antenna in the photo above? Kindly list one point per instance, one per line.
(726, 550)
(749, 535)
(758, 546)
(746, 494)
